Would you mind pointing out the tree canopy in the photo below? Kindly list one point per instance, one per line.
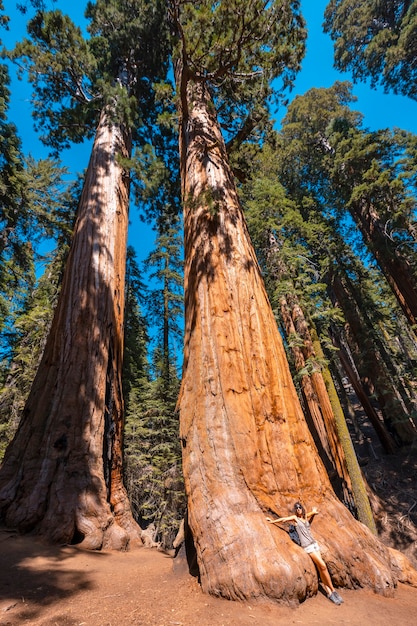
(104, 69)
(376, 41)
(291, 239)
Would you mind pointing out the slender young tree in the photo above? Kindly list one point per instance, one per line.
(136, 328)
(62, 473)
(153, 453)
(246, 445)
(153, 471)
(165, 301)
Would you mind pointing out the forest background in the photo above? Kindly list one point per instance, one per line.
(153, 474)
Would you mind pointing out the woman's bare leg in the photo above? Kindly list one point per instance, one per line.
(323, 571)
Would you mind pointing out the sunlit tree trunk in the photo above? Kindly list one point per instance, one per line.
(246, 445)
(62, 473)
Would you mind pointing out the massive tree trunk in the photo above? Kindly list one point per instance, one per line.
(246, 446)
(62, 473)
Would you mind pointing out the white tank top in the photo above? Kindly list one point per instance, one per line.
(304, 532)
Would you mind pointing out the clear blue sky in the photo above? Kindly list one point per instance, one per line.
(380, 110)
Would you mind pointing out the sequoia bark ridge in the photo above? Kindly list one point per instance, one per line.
(246, 445)
(62, 474)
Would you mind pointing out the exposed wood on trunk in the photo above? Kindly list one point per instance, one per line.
(246, 445)
(62, 474)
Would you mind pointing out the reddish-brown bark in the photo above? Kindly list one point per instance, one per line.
(393, 263)
(317, 403)
(246, 445)
(62, 473)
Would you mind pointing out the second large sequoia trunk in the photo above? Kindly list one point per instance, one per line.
(246, 445)
(62, 473)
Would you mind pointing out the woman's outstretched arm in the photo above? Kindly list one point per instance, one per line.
(311, 514)
(290, 518)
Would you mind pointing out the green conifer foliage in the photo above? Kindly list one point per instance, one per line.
(354, 174)
(153, 471)
(376, 41)
(33, 300)
(26, 343)
(165, 303)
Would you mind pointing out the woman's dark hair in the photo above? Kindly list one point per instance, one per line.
(298, 505)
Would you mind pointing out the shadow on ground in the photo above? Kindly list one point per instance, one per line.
(39, 578)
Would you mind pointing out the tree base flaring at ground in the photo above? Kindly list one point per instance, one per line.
(62, 474)
(246, 445)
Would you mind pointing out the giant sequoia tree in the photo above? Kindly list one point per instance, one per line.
(62, 473)
(246, 445)
(350, 169)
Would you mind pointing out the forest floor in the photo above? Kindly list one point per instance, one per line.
(66, 586)
(43, 585)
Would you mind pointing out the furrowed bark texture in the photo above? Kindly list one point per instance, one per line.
(318, 410)
(62, 473)
(393, 263)
(246, 445)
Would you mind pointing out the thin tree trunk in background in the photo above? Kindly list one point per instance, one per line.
(246, 446)
(165, 340)
(394, 265)
(372, 367)
(322, 404)
(330, 414)
(62, 473)
(385, 438)
(359, 486)
(318, 408)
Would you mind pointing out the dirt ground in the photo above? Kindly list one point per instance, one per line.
(67, 586)
(43, 585)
